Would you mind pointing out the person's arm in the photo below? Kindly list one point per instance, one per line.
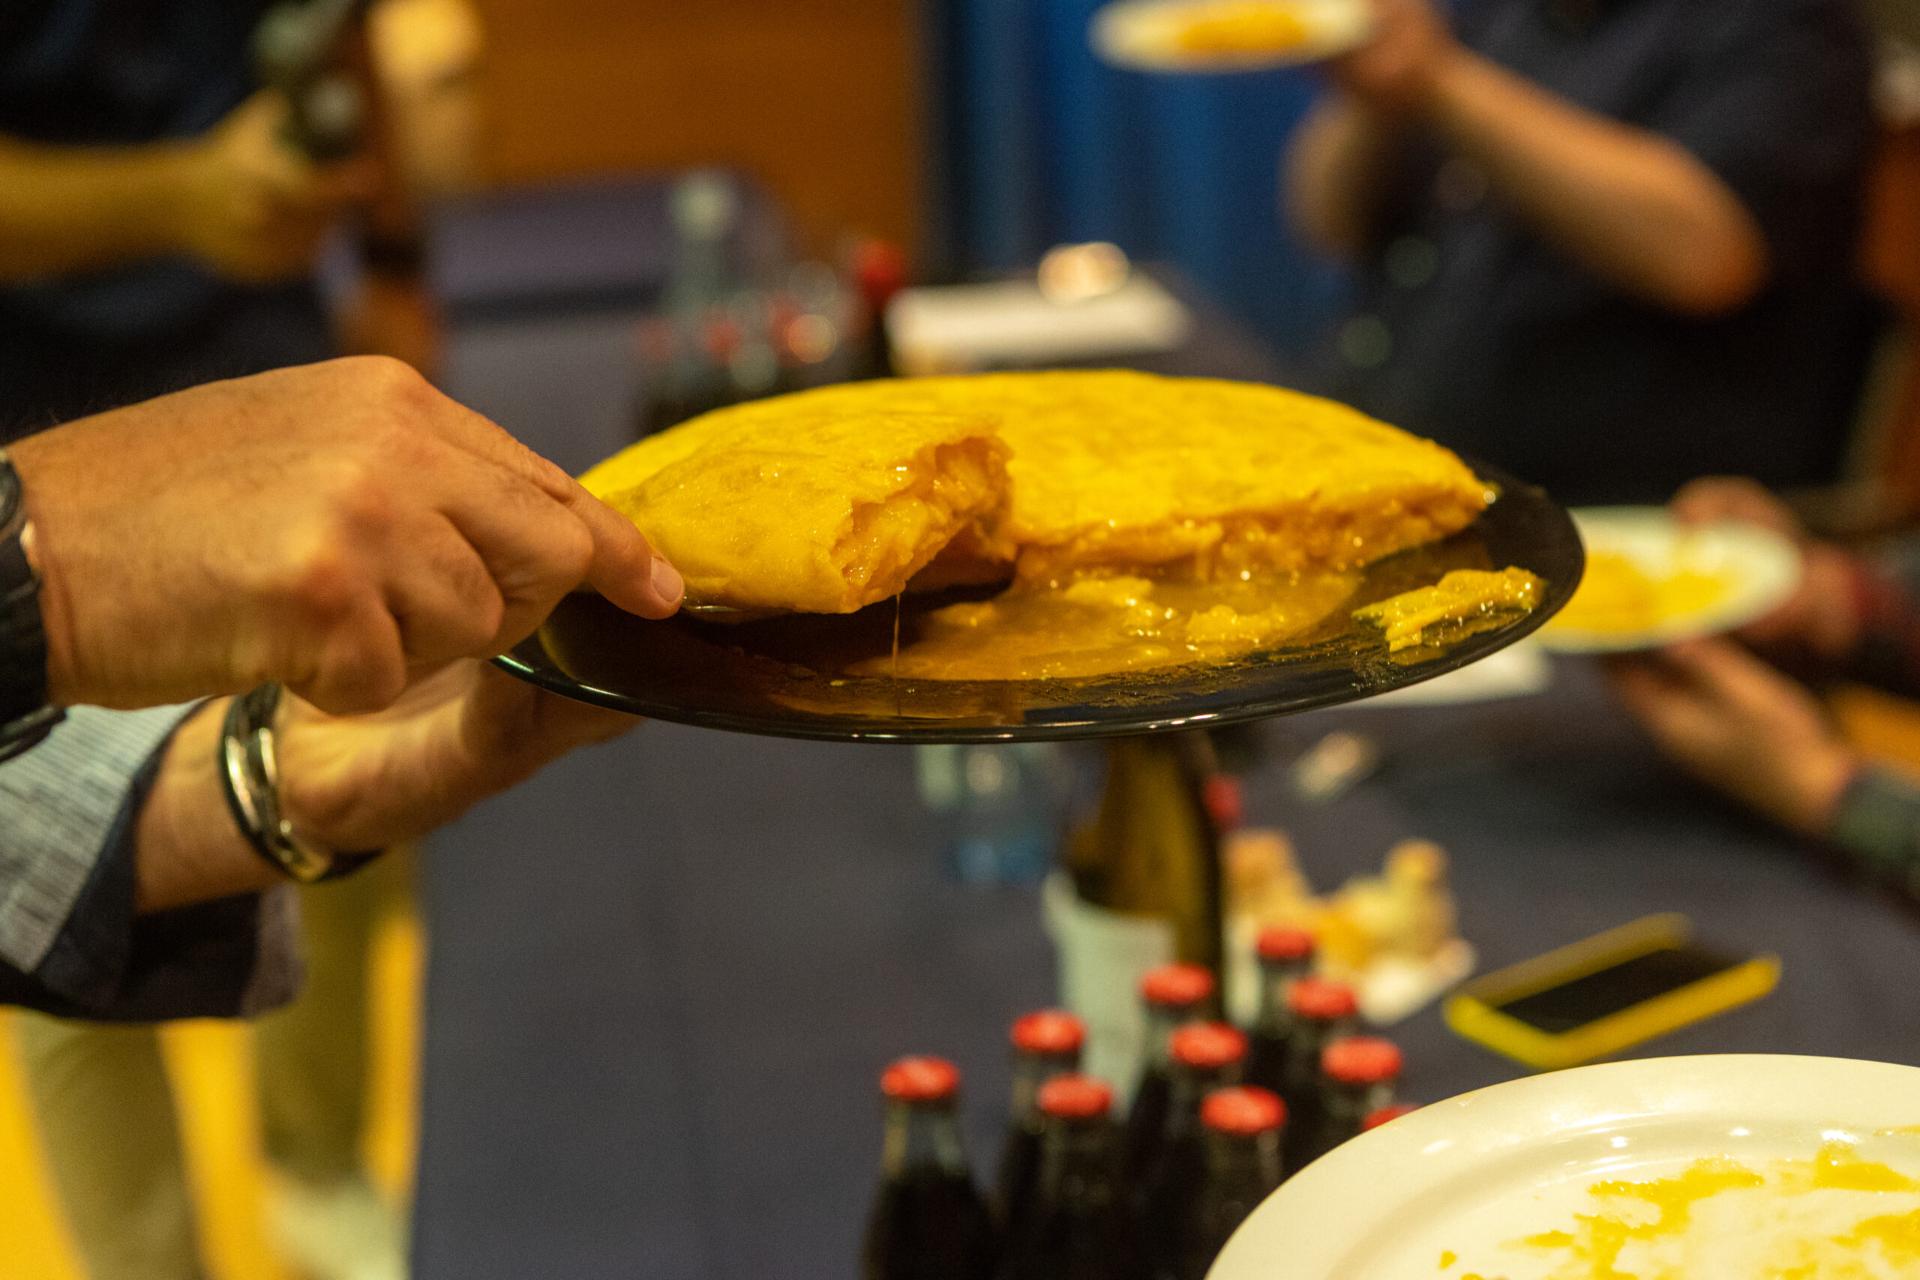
(1337, 171)
(1633, 206)
(237, 199)
(67, 209)
(74, 937)
(126, 888)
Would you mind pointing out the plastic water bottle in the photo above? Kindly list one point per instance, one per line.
(999, 808)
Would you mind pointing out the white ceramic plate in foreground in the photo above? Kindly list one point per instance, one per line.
(1453, 1189)
(1150, 35)
(1751, 570)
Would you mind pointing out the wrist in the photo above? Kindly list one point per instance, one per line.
(41, 542)
(187, 848)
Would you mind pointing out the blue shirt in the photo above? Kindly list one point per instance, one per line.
(1472, 328)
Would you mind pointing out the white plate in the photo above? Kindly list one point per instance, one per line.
(1143, 35)
(1761, 569)
(1468, 1176)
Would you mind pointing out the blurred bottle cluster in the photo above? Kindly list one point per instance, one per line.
(729, 329)
(1090, 1186)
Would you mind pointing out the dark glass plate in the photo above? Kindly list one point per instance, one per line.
(778, 677)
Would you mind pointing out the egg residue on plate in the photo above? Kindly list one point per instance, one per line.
(1836, 1216)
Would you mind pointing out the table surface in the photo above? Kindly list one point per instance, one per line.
(664, 974)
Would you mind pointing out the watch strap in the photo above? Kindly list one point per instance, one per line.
(26, 716)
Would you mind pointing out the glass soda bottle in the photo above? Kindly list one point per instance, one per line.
(1173, 994)
(1286, 955)
(1322, 1011)
(1240, 1167)
(928, 1222)
(1206, 1056)
(1046, 1043)
(1078, 1227)
(1357, 1078)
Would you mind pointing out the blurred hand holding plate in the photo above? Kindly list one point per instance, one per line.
(1652, 581)
(1227, 35)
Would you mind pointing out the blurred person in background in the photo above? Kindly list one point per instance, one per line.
(1607, 244)
(1730, 713)
(159, 229)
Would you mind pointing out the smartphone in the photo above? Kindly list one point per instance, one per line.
(1606, 994)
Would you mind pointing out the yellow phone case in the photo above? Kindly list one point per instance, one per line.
(1474, 1011)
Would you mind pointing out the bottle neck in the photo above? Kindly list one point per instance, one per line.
(1191, 1085)
(1349, 1105)
(1276, 983)
(1243, 1165)
(1030, 1071)
(1305, 1041)
(922, 1137)
(1162, 1022)
(1077, 1164)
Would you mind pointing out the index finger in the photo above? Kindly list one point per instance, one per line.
(625, 568)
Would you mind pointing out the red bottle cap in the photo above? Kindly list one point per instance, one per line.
(1243, 1111)
(879, 269)
(1076, 1098)
(1225, 803)
(1322, 1000)
(920, 1080)
(1375, 1119)
(1361, 1060)
(1053, 1033)
(1208, 1046)
(1283, 943)
(1177, 986)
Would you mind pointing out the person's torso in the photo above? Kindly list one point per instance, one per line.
(1472, 327)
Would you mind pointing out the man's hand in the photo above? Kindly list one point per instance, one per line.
(252, 207)
(339, 527)
(353, 783)
(1739, 725)
(1395, 71)
(454, 738)
(1821, 617)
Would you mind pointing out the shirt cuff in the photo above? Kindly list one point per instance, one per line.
(1877, 826)
(70, 931)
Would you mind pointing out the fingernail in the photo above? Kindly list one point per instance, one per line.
(667, 582)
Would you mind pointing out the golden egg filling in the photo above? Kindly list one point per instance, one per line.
(1134, 521)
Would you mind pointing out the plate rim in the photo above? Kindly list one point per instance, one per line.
(1576, 642)
(1318, 1194)
(1110, 45)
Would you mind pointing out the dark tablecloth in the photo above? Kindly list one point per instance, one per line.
(664, 975)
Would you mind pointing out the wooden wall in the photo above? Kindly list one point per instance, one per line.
(815, 97)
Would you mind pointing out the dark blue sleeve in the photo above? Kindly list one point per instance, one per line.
(1777, 101)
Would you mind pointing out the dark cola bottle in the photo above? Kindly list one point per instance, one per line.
(1323, 1011)
(1206, 1056)
(1078, 1228)
(1240, 1167)
(1285, 955)
(1174, 995)
(1358, 1075)
(1046, 1044)
(928, 1220)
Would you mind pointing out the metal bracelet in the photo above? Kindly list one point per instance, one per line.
(250, 776)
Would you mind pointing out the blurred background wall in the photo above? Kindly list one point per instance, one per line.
(817, 98)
